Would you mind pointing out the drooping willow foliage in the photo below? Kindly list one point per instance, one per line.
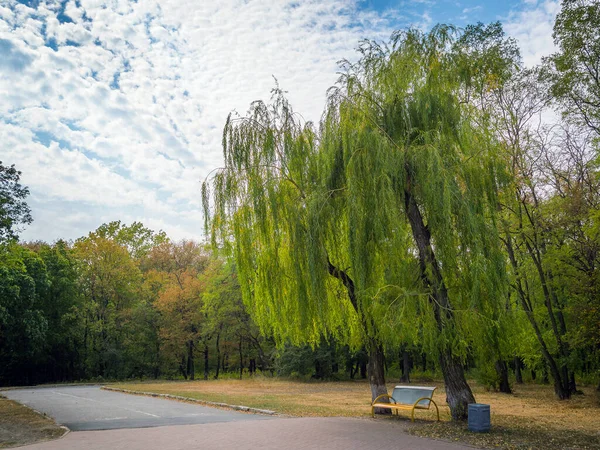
(267, 210)
(395, 197)
(396, 128)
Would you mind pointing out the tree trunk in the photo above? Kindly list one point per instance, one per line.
(502, 371)
(377, 375)
(363, 370)
(405, 364)
(560, 386)
(458, 392)
(518, 374)
(218, 356)
(182, 368)
(572, 384)
(206, 361)
(376, 370)
(191, 369)
(241, 358)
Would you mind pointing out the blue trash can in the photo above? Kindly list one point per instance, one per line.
(479, 417)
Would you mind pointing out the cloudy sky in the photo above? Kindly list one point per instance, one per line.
(113, 109)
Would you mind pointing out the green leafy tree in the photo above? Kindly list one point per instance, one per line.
(417, 177)
(110, 281)
(265, 204)
(23, 327)
(13, 208)
(574, 70)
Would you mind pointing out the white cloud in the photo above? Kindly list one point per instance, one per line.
(114, 109)
(532, 27)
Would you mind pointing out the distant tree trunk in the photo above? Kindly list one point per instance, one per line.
(241, 358)
(572, 384)
(377, 374)
(182, 368)
(502, 371)
(533, 374)
(424, 361)
(206, 361)
(518, 374)
(560, 385)
(156, 369)
(363, 369)
(218, 355)
(191, 369)
(225, 362)
(598, 388)
(405, 364)
(252, 366)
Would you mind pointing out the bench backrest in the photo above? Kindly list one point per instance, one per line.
(408, 395)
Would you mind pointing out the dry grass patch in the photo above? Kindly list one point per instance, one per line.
(529, 418)
(20, 425)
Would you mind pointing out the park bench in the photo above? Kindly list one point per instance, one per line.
(408, 398)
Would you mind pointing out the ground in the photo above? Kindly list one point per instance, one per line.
(102, 419)
(529, 418)
(20, 425)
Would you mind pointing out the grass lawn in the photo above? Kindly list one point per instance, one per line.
(20, 425)
(529, 418)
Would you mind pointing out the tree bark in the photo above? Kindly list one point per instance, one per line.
(502, 371)
(182, 368)
(376, 364)
(405, 362)
(191, 369)
(241, 358)
(206, 361)
(458, 392)
(218, 347)
(376, 374)
(560, 386)
(518, 374)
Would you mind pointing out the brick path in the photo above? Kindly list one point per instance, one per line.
(280, 433)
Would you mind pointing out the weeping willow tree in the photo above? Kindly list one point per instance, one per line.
(269, 208)
(414, 176)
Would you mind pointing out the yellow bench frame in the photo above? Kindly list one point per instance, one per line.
(405, 406)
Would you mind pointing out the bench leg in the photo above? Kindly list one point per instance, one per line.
(437, 410)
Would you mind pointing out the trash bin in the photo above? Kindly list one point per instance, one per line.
(479, 417)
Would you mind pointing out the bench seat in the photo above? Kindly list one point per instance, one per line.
(407, 398)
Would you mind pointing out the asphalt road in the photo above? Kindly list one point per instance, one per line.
(304, 433)
(85, 408)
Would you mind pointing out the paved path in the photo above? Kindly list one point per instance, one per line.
(275, 434)
(90, 408)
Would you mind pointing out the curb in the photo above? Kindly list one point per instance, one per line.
(267, 412)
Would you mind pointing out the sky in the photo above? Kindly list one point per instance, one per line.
(113, 109)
